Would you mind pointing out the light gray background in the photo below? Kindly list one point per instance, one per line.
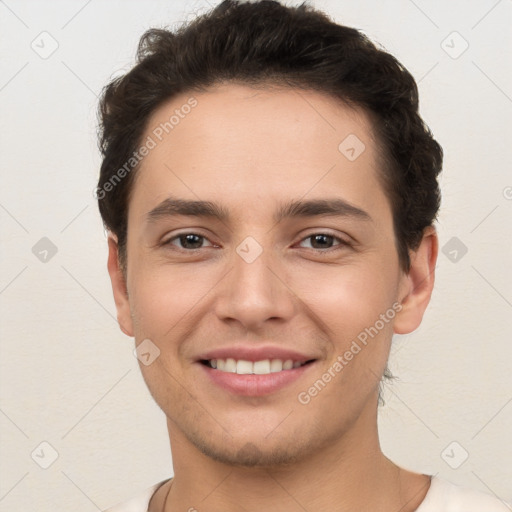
(68, 375)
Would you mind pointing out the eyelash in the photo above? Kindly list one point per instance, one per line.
(342, 243)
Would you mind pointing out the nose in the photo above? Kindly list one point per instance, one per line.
(253, 293)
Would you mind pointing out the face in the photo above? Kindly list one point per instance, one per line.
(259, 238)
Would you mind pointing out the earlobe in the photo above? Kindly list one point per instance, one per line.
(119, 288)
(417, 285)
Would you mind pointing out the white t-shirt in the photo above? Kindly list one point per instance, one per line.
(443, 496)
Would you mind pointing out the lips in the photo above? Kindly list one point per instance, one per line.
(254, 371)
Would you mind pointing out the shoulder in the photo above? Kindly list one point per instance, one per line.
(138, 503)
(443, 496)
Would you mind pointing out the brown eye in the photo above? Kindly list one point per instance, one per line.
(323, 241)
(188, 241)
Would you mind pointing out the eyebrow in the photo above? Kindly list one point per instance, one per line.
(333, 207)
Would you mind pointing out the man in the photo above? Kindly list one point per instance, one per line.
(270, 193)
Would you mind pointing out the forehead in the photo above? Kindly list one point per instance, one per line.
(245, 116)
(242, 143)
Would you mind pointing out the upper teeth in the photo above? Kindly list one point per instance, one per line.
(258, 367)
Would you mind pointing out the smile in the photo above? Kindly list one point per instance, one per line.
(244, 367)
(254, 378)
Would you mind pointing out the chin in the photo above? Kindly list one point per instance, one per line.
(252, 455)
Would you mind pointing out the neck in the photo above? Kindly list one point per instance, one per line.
(347, 473)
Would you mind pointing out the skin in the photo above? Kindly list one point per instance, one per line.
(250, 150)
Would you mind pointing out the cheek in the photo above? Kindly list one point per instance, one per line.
(349, 298)
(350, 302)
(161, 296)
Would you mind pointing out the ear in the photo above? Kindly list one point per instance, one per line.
(416, 286)
(119, 286)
